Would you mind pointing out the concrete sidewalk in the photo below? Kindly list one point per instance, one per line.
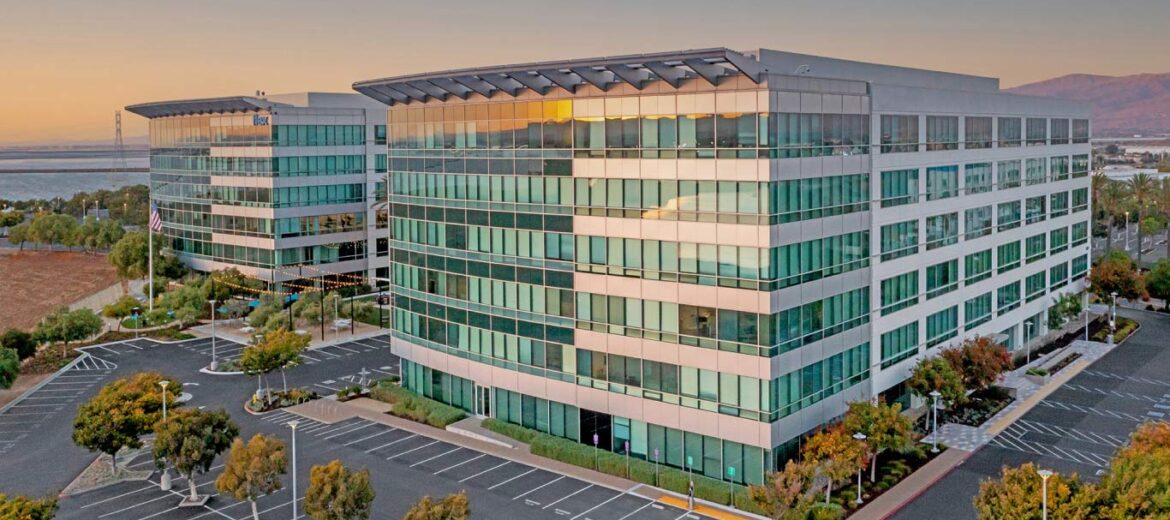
(917, 483)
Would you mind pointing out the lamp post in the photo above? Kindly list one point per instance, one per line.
(934, 395)
(214, 363)
(1126, 231)
(1113, 318)
(1044, 474)
(1085, 306)
(1028, 342)
(164, 480)
(860, 438)
(293, 425)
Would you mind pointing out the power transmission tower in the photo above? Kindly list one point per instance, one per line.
(119, 146)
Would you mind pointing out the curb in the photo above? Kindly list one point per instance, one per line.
(43, 382)
(914, 496)
(209, 372)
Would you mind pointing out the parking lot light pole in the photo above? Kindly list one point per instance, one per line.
(1085, 306)
(860, 438)
(164, 480)
(293, 425)
(1028, 343)
(1044, 474)
(934, 395)
(214, 364)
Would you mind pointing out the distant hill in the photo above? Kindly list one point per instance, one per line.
(1122, 106)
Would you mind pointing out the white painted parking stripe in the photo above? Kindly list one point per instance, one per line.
(323, 386)
(360, 427)
(522, 495)
(511, 479)
(493, 468)
(342, 426)
(315, 427)
(392, 457)
(383, 432)
(566, 496)
(91, 504)
(634, 512)
(411, 436)
(611, 499)
(477, 457)
(437, 456)
(124, 509)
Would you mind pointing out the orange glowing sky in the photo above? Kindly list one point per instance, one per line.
(65, 66)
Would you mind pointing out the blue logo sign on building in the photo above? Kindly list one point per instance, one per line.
(258, 120)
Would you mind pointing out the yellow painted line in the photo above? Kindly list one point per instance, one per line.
(712, 512)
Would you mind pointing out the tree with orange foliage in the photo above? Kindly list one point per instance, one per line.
(835, 454)
(979, 361)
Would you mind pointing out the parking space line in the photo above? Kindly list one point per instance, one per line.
(611, 499)
(634, 512)
(124, 509)
(323, 386)
(511, 479)
(522, 495)
(566, 496)
(338, 427)
(489, 470)
(315, 427)
(392, 457)
(360, 427)
(383, 432)
(411, 436)
(457, 448)
(477, 457)
(339, 347)
(91, 504)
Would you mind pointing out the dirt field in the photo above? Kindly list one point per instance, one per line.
(32, 283)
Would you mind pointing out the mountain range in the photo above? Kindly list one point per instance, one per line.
(1123, 106)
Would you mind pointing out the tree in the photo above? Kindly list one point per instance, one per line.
(454, 507)
(11, 218)
(1158, 281)
(835, 454)
(937, 374)
(191, 439)
(1110, 200)
(24, 508)
(122, 308)
(9, 367)
(1116, 275)
(19, 234)
(336, 493)
(253, 470)
(786, 494)
(1017, 496)
(122, 412)
(64, 325)
(1138, 482)
(884, 426)
(128, 256)
(289, 346)
(20, 341)
(1142, 188)
(979, 361)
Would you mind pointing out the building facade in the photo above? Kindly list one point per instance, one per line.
(279, 187)
(701, 256)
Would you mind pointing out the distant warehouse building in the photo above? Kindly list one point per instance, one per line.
(279, 187)
(707, 254)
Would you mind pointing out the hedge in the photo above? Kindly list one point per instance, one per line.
(605, 461)
(409, 405)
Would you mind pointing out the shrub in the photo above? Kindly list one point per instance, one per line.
(1036, 371)
(605, 461)
(409, 405)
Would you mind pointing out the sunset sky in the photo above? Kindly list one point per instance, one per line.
(67, 65)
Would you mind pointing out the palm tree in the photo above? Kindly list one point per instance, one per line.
(1110, 199)
(1142, 187)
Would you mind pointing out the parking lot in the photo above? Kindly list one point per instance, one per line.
(398, 460)
(1075, 429)
(67, 390)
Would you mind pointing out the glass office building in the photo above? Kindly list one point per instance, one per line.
(279, 186)
(707, 254)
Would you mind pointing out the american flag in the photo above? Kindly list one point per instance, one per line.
(155, 218)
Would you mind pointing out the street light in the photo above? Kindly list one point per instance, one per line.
(214, 364)
(934, 395)
(293, 424)
(1028, 342)
(1085, 306)
(1113, 320)
(164, 480)
(1044, 474)
(860, 438)
(1127, 232)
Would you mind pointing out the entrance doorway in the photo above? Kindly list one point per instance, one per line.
(597, 423)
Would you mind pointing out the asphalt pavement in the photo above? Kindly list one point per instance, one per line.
(1076, 429)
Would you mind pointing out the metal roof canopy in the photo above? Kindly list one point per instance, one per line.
(203, 106)
(636, 70)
